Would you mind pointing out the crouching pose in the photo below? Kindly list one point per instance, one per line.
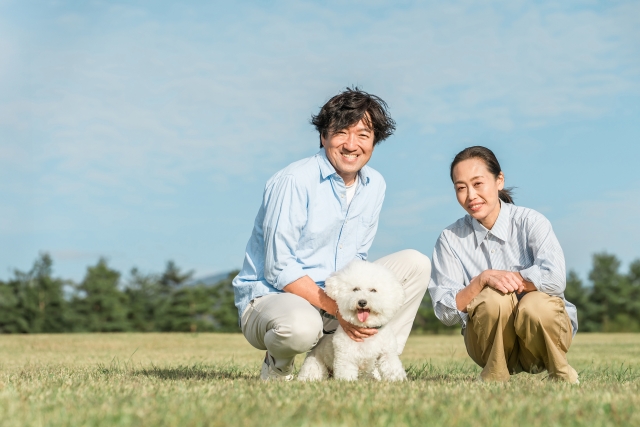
(500, 272)
(316, 216)
(368, 295)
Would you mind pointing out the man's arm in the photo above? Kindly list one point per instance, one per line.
(306, 288)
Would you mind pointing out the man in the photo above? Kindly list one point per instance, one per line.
(316, 216)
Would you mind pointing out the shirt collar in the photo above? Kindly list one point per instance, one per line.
(327, 169)
(500, 229)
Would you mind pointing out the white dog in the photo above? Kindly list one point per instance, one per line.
(368, 296)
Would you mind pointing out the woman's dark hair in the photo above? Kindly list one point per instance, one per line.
(348, 108)
(486, 155)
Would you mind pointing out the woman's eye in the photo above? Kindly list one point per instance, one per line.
(372, 290)
(356, 289)
(477, 184)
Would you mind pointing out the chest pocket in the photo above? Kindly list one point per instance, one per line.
(364, 229)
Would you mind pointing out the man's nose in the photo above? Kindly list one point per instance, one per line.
(351, 142)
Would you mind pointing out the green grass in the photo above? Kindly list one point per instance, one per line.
(212, 379)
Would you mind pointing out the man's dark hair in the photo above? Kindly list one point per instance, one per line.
(348, 108)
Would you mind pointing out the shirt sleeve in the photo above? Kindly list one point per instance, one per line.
(365, 244)
(446, 281)
(285, 206)
(548, 270)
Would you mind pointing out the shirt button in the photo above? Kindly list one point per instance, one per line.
(340, 246)
(493, 250)
(342, 196)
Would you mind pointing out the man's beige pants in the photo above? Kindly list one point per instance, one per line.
(506, 336)
(287, 325)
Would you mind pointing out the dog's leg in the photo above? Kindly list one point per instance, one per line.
(345, 370)
(313, 369)
(391, 367)
(372, 370)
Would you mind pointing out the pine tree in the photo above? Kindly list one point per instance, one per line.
(100, 305)
(224, 311)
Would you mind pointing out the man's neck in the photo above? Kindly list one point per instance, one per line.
(348, 179)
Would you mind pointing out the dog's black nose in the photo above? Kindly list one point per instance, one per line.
(362, 303)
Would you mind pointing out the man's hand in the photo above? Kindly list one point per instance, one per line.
(354, 332)
(503, 281)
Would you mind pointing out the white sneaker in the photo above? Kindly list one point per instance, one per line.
(271, 373)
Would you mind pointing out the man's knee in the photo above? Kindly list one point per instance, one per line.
(299, 333)
(491, 305)
(408, 264)
(419, 261)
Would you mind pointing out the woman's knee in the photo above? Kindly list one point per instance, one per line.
(491, 305)
(538, 310)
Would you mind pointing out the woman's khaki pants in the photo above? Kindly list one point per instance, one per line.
(286, 325)
(506, 336)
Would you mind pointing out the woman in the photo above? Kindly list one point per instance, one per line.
(500, 272)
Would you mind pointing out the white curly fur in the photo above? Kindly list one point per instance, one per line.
(377, 356)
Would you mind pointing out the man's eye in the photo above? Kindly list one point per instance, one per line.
(372, 290)
(356, 289)
(477, 184)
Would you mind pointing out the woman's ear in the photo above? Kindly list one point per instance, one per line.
(500, 181)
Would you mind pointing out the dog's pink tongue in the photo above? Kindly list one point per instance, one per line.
(363, 315)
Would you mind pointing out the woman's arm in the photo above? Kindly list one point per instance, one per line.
(500, 280)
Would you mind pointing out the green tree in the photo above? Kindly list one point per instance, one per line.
(34, 301)
(610, 296)
(190, 310)
(224, 311)
(427, 322)
(578, 294)
(100, 306)
(146, 300)
(173, 278)
(11, 313)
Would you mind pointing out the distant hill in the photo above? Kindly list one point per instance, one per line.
(208, 280)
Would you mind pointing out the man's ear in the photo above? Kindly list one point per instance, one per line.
(322, 141)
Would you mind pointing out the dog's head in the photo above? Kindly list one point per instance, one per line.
(368, 295)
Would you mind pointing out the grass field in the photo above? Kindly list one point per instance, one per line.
(212, 379)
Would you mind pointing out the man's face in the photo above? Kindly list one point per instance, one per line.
(349, 150)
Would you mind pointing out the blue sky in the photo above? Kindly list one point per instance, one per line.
(145, 132)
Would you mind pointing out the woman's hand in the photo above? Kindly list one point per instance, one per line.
(354, 332)
(503, 281)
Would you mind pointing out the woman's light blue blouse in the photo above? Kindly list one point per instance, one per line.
(521, 240)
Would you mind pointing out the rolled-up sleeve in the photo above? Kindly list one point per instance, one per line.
(548, 270)
(285, 216)
(446, 281)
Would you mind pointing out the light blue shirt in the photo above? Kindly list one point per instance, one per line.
(305, 227)
(521, 240)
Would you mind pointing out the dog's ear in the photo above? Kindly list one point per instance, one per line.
(331, 287)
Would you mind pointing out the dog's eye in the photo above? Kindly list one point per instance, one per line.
(356, 289)
(372, 290)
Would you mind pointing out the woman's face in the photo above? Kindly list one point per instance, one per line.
(477, 190)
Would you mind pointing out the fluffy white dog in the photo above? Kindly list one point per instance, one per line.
(368, 295)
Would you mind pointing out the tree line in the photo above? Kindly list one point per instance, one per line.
(171, 301)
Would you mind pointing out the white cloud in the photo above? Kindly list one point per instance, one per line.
(151, 100)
